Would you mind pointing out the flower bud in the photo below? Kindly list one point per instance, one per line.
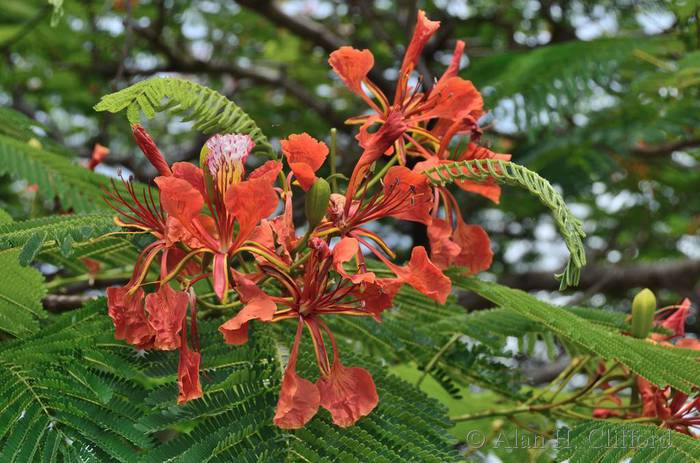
(317, 202)
(34, 143)
(643, 309)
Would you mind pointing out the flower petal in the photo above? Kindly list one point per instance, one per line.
(129, 318)
(166, 311)
(220, 275)
(424, 276)
(347, 393)
(456, 61)
(676, 321)
(379, 295)
(413, 187)
(192, 174)
(299, 398)
(489, 188)
(259, 306)
(425, 28)
(453, 98)
(305, 156)
(352, 66)
(443, 251)
(253, 199)
(475, 254)
(344, 251)
(179, 198)
(188, 376)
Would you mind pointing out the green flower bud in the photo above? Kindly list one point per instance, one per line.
(643, 309)
(317, 202)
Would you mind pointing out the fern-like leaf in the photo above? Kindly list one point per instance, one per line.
(21, 291)
(612, 442)
(60, 231)
(661, 365)
(209, 110)
(510, 173)
(56, 176)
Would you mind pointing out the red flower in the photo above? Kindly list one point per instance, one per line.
(166, 310)
(99, 153)
(675, 322)
(453, 102)
(305, 156)
(348, 393)
(184, 195)
(129, 318)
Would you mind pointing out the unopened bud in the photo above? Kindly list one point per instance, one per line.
(317, 202)
(643, 309)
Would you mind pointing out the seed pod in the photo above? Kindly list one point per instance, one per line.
(643, 308)
(317, 202)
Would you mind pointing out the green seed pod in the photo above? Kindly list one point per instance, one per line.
(643, 308)
(317, 202)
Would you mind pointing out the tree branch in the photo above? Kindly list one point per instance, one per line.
(665, 149)
(682, 276)
(309, 30)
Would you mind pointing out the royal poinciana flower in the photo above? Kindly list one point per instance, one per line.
(453, 104)
(429, 121)
(672, 409)
(347, 393)
(200, 211)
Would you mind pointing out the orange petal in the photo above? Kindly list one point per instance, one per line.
(188, 376)
(298, 402)
(379, 296)
(414, 186)
(179, 198)
(453, 98)
(453, 68)
(475, 253)
(443, 251)
(352, 66)
(99, 153)
(348, 394)
(253, 199)
(344, 251)
(676, 321)
(129, 318)
(689, 343)
(305, 156)
(259, 306)
(192, 174)
(166, 311)
(425, 28)
(424, 276)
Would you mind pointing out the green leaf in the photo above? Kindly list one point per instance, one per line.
(32, 235)
(56, 176)
(510, 173)
(57, 405)
(21, 291)
(661, 365)
(613, 442)
(209, 110)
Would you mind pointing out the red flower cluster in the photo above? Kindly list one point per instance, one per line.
(673, 409)
(214, 222)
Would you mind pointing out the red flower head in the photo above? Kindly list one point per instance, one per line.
(453, 102)
(99, 153)
(348, 393)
